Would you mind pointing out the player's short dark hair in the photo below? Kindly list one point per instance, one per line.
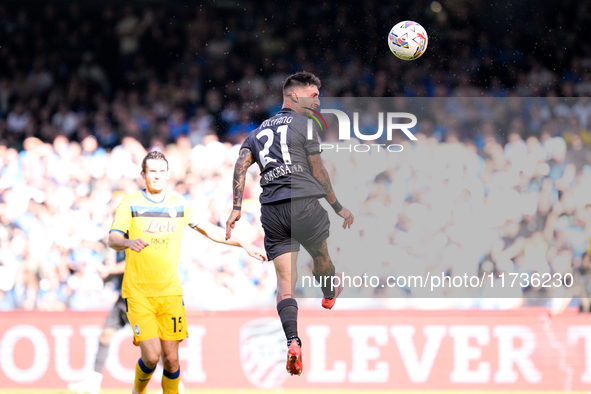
(154, 155)
(302, 78)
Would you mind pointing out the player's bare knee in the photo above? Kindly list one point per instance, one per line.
(170, 361)
(284, 276)
(150, 356)
(150, 360)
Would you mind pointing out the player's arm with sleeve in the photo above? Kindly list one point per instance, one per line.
(117, 235)
(217, 234)
(244, 161)
(312, 148)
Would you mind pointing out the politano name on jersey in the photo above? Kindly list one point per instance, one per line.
(281, 148)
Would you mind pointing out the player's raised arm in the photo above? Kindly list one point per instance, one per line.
(321, 175)
(216, 234)
(244, 161)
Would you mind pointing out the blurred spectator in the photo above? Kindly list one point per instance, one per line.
(239, 131)
(90, 70)
(17, 120)
(129, 30)
(178, 125)
(577, 154)
(65, 120)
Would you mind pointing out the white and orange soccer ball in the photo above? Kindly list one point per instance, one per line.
(408, 40)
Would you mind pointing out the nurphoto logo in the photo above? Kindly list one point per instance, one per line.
(390, 118)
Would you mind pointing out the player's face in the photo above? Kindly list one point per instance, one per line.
(308, 97)
(156, 175)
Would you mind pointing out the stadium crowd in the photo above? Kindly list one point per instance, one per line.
(84, 92)
(463, 199)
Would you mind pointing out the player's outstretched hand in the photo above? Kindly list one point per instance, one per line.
(231, 222)
(137, 244)
(256, 252)
(348, 216)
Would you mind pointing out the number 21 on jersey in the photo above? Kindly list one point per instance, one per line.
(264, 154)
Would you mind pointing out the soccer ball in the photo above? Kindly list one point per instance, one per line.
(408, 40)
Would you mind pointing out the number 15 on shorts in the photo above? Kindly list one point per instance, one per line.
(178, 320)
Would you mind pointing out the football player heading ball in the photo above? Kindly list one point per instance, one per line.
(293, 178)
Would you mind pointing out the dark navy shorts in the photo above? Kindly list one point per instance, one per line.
(118, 316)
(291, 223)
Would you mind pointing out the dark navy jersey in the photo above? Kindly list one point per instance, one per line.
(280, 146)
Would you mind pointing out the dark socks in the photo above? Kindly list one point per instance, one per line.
(101, 356)
(288, 313)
